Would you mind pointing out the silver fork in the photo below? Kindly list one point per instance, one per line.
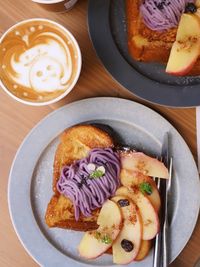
(165, 258)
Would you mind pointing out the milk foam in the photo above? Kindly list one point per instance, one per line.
(46, 66)
(39, 61)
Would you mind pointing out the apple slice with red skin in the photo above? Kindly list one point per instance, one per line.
(181, 61)
(144, 250)
(150, 220)
(132, 179)
(95, 243)
(185, 50)
(127, 244)
(139, 162)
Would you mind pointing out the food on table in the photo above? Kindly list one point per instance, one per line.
(162, 31)
(137, 161)
(107, 193)
(144, 250)
(185, 50)
(145, 183)
(150, 220)
(127, 244)
(96, 242)
(85, 182)
(75, 144)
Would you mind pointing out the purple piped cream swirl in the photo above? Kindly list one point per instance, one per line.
(88, 193)
(160, 15)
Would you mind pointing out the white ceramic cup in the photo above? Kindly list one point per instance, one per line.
(56, 5)
(79, 60)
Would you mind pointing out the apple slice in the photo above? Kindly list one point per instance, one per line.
(181, 61)
(197, 3)
(144, 250)
(94, 243)
(150, 220)
(132, 179)
(188, 22)
(185, 50)
(127, 245)
(138, 161)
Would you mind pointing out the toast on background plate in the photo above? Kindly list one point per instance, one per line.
(75, 143)
(148, 45)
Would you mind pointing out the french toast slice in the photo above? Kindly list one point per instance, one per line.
(75, 143)
(143, 43)
(147, 45)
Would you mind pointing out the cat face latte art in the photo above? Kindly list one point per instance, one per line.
(40, 61)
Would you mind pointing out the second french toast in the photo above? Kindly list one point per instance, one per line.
(147, 45)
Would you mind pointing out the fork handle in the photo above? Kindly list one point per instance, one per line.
(161, 258)
(157, 250)
(165, 256)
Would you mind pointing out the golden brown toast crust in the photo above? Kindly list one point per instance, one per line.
(75, 143)
(60, 213)
(153, 40)
(147, 45)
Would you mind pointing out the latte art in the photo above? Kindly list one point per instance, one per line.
(38, 61)
(46, 66)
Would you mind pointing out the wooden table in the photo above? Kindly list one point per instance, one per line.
(17, 119)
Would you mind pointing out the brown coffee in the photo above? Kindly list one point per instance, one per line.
(39, 60)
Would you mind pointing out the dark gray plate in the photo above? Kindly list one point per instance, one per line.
(107, 26)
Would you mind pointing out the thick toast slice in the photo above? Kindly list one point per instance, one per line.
(75, 143)
(147, 45)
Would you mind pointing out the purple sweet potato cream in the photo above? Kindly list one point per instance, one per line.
(160, 15)
(88, 188)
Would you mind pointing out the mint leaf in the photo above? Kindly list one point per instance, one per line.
(96, 174)
(106, 239)
(103, 238)
(145, 188)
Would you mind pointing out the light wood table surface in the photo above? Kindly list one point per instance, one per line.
(17, 119)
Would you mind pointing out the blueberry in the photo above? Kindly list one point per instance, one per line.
(127, 245)
(190, 8)
(79, 185)
(123, 202)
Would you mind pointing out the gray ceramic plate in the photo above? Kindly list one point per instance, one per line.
(31, 178)
(107, 27)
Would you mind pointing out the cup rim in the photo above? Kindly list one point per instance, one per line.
(67, 91)
(49, 2)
